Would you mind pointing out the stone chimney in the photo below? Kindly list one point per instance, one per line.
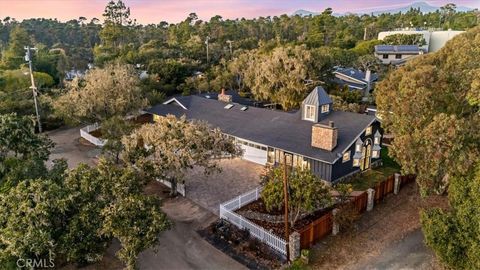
(224, 97)
(324, 136)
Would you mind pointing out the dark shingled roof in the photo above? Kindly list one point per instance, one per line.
(318, 97)
(397, 49)
(356, 74)
(283, 130)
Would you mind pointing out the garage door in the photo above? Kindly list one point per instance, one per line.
(254, 153)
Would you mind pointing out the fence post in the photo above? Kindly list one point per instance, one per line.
(371, 198)
(336, 226)
(396, 186)
(294, 246)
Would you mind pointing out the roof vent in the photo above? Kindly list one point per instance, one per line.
(244, 108)
(228, 107)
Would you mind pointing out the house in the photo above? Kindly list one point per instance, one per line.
(332, 144)
(396, 54)
(355, 79)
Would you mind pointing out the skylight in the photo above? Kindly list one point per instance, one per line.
(228, 107)
(244, 108)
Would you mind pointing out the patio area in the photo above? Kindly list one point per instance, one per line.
(238, 176)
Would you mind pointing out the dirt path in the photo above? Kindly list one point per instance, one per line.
(388, 237)
(408, 253)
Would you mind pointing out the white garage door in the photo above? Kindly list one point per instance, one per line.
(254, 153)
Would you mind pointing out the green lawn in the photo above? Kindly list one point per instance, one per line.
(370, 178)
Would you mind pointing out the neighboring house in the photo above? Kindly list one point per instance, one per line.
(434, 40)
(355, 79)
(396, 54)
(332, 144)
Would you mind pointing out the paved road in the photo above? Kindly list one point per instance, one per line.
(408, 253)
(182, 247)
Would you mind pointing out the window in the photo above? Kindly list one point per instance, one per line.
(358, 147)
(376, 140)
(375, 154)
(325, 108)
(346, 157)
(356, 163)
(398, 56)
(368, 131)
(309, 112)
(385, 56)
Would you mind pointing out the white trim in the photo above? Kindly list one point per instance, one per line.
(178, 102)
(354, 79)
(306, 110)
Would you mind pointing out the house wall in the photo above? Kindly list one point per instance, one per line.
(391, 58)
(341, 169)
(320, 169)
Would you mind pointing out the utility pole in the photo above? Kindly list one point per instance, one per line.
(28, 58)
(285, 195)
(206, 42)
(230, 45)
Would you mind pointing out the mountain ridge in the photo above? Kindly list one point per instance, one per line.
(423, 6)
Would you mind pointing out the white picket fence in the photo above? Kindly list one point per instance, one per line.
(227, 212)
(85, 133)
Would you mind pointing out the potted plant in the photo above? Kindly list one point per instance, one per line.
(305, 255)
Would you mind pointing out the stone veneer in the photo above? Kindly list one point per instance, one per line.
(324, 137)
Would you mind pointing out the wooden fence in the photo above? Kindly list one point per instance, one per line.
(384, 188)
(314, 232)
(318, 229)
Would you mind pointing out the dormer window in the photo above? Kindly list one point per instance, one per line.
(376, 140)
(310, 112)
(325, 108)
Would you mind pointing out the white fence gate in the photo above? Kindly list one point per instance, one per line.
(227, 212)
(85, 133)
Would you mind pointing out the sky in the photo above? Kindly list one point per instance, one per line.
(172, 11)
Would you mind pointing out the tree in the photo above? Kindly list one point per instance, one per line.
(279, 76)
(17, 136)
(405, 39)
(13, 57)
(307, 192)
(86, 206)
(136, 222)
(170, 146)
(429, 107)
(104, 93)
(454, 234)
(115, 128)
